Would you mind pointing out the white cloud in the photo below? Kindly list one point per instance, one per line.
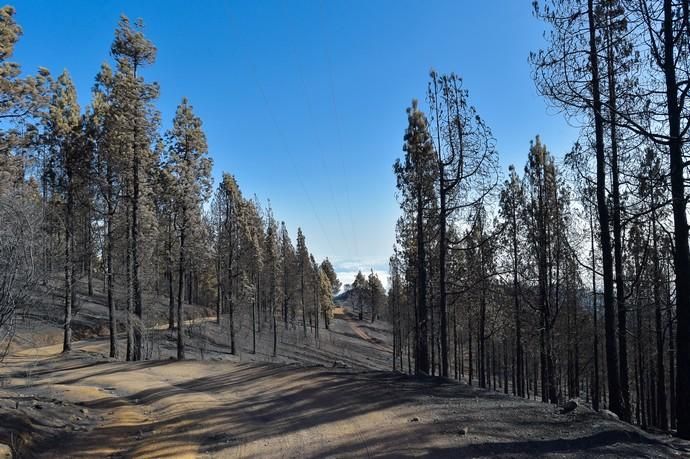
(348, 277)
(347, 269)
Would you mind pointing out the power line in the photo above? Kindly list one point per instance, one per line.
(284, 144)
(317, 137)
(338, 129)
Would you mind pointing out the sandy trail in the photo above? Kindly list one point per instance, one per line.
(362, 334)
(163, 409)
(222, 409)
(191, 409)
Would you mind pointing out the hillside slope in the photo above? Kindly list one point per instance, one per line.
(335, 398)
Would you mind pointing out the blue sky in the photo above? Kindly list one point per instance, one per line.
(304, 101)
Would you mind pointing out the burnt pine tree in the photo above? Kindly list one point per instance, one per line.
(326, 289)
(415, 180)
(568, 72)
(465, 160)
(271, 254)
(618, 60)
(359, 292)
(287, 273)
(167, 224)
(132, 51)
(652, 184)
(191, 168)
(543, 227)
(104, 130)
(63, 129)
(229, 202)
(302, 271)
(376, 294)
(666, 29)
(512, 202)
(251, 260)
(327, 268)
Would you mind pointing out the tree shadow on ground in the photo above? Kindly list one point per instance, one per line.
(260, 402)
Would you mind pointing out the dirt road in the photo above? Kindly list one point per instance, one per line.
(85, 405)
(220, 409)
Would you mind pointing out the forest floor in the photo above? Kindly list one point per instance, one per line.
(334, 399)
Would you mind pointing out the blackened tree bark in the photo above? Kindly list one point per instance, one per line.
(180, 289)
(613, 373)
(680, 226)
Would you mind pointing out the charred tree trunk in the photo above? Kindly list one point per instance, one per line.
(170, 276)
(680, 226)
(136, 284)
(613, 373)
(659, 329)
(595, 320)
(519, 364)
(304, 307)
(618, 237)
(88, 253)
(481, 368)
(69, 270)
(112, 318)
(443, 243)
(130, 291)
(422, 355)
(255, 305)
(180, 292)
